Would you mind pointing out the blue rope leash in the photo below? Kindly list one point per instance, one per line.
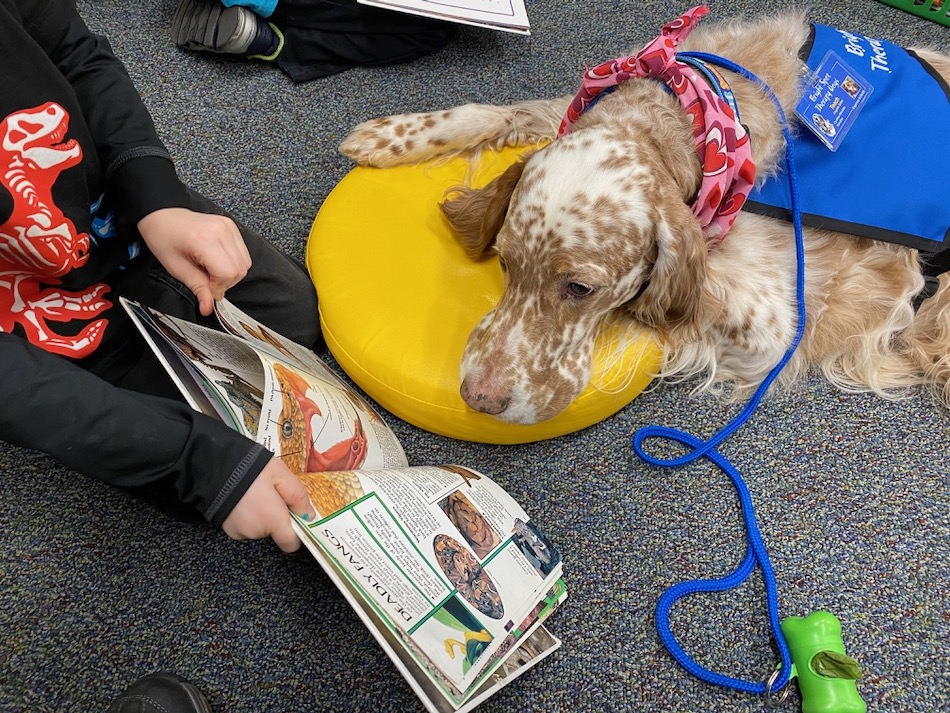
(756, 553)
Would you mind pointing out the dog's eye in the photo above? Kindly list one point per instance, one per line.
(504, 265)
(578, 290)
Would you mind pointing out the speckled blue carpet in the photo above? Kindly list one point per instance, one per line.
(851, 491)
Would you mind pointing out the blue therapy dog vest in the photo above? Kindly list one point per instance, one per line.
(888, 179)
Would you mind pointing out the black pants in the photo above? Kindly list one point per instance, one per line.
(324, 37)
(277, 291)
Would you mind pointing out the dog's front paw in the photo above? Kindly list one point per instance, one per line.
(389, 141)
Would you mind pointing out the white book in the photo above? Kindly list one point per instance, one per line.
(507, 15)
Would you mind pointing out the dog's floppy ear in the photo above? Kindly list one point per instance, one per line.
(477, 214)
(673, 294)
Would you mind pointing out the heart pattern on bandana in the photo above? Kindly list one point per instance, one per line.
(722, 143)
(716, 158)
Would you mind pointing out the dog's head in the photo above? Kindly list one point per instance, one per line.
(596, 222)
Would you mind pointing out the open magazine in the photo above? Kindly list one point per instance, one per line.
(508, 15)
(446, 570)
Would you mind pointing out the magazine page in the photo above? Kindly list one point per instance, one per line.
(344, 431)
(531, 649)
(313, 424)
(507, 15)
(523, 647)
(223, 380)
(312, 421)
(266, 340)
(444, 555)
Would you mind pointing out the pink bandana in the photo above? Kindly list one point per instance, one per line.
(721, 141)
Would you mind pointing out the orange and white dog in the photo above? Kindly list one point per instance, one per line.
(600, 224)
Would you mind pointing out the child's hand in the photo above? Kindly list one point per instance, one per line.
(204, 251)
(263, 511)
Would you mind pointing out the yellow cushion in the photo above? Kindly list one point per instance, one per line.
(398, 298)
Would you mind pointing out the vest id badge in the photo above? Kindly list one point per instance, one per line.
(834, 98)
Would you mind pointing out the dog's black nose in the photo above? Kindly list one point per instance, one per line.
(483, 401)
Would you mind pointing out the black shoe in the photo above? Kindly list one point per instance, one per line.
(161, 693)
(209, 26)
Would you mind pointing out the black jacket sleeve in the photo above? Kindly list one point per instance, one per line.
(143, 443)
(140, 174)
(127, 439)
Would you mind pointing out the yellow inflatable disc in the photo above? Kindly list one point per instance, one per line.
(398, 299)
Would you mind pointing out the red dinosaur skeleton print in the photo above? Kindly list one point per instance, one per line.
(38, 244)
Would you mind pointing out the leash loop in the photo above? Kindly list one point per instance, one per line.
(755, 553)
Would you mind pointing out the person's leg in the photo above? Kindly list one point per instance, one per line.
(309, 39)
(277, 291)
(330, 36)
